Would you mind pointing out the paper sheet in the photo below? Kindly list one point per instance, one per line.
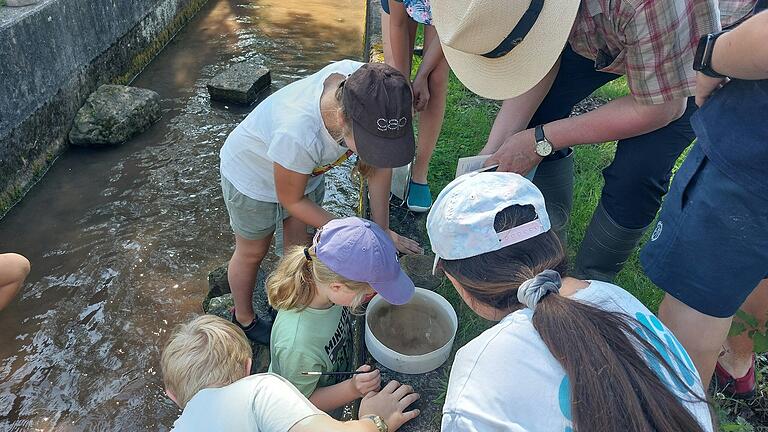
(472, 163)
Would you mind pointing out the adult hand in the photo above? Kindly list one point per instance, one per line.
(390, 404)
(517, 154)
(367, 382)
(420, 89)
(706, 85)
(405, 245)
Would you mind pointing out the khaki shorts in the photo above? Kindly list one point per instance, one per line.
(255, 220)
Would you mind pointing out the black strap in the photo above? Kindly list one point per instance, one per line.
(307, 255)
(520, 31)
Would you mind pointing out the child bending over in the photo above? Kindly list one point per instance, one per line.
(313, 289)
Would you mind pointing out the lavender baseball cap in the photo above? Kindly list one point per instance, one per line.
(360, 250)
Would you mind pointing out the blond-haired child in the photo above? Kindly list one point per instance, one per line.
(313, 288)
(205, 369)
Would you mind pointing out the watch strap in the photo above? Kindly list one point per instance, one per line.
(705, 65)
(380, 425)
(539, 133)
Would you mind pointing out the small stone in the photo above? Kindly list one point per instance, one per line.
(240, 83)
(221, 306)
(113, 114)
(419, 269)
(17, 3)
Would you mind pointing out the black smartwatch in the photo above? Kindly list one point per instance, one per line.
(702, 61)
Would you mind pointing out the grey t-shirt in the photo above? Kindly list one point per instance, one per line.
(258, 403)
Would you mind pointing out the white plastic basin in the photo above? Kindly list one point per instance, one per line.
(428, 320)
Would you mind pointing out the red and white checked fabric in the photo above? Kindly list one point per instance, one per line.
(652, 42)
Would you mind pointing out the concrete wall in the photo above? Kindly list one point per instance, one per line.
(53, 55)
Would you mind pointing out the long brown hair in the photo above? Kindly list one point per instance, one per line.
(293, 283)
(612, 387)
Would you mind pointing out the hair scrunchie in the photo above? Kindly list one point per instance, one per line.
(533, 290)
(307, 255)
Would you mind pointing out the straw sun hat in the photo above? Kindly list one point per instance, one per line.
(500, 49)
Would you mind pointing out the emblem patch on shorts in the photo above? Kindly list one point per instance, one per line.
(657, 231)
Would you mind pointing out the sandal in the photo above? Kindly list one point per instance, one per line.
(737, 388)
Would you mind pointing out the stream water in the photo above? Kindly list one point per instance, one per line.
(121, 239)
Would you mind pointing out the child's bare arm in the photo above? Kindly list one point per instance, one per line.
(336, 396)
(290, 187)
(14, 268)
(391, 404)
(378, 191)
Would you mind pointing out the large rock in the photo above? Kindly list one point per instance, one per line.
(241, 83)
(113, 114)
(419, 269)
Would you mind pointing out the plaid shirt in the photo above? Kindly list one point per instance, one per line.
(652, 42)
(733, 11)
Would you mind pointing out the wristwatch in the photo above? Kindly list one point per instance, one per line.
(702, 61)
(543, 146)
(380, 425)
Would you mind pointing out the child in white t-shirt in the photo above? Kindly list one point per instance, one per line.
(567, 354)
(205, 368)
(272, 164)
(350, 260)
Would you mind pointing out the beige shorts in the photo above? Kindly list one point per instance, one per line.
(255, 220)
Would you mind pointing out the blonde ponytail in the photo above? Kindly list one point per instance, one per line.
(292, 284)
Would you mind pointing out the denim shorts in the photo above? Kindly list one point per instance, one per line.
(709, 248)
(255, 220)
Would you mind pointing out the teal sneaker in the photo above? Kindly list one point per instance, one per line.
(419, 198)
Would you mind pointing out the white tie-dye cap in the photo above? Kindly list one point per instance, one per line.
(460, 223)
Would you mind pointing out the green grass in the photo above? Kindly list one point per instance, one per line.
(467, 123)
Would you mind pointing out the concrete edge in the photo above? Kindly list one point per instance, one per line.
(35, 168)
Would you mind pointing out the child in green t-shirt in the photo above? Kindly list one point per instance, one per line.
(313, 289)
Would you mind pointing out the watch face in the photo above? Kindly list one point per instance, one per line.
(543, 148)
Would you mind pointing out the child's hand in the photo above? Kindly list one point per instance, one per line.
(391, 404)
(420, 93)
(404, 244)
(367, 382)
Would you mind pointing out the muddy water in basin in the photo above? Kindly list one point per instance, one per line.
(416, 328)
(121, 239)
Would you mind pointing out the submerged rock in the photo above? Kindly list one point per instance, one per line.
(218, 283)
(241, 83)
(16, 3)
(221, 306)
(419, 269)
(219, 296)
(113, 114)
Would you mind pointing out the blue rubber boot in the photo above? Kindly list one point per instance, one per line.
(419, 198)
